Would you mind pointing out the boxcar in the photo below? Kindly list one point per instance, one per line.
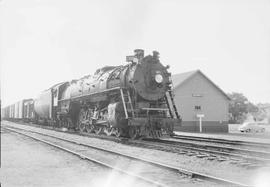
(5, 113)
(18, 113)
(12, 111)
(28, 110)
(20, 110)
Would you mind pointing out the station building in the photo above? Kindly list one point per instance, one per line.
(203, 106)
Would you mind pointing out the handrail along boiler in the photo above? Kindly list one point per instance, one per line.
(133, 100)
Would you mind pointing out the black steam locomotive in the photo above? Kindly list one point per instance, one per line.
(132, 100)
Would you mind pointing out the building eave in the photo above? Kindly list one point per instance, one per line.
(199, 72)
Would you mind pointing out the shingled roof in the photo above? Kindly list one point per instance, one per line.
(181, 78)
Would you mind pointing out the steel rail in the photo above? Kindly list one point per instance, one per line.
(203, 148)
(84, 157)
(190, 173)
(229, 148)
(219, 140)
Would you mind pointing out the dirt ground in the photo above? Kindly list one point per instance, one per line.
(253, 177)
(25, 162)
(211, 167)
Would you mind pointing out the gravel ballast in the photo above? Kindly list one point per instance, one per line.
(212, 167)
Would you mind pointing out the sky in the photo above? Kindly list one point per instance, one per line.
(43, 42)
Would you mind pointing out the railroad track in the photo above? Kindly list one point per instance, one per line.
(244, 157)
(257, 145)
(152, 170)
(209, 152)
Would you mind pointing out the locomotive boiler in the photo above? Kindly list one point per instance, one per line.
(133, 100)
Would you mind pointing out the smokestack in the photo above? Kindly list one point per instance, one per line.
(156, 54)
(139, 53)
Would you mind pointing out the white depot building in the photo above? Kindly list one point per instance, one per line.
(202, 105)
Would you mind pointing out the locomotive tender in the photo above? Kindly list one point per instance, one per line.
(133, 100)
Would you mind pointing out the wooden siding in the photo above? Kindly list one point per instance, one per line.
(198, 91)
(207, 126)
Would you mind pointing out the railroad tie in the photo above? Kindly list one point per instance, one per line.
(253, 166)
(234, 161)
(221, 159)
(191, 153)
(182, 152)
(202, 156)
(211, 158)
(244, 164)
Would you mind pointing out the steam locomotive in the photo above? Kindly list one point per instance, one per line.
(133, 100)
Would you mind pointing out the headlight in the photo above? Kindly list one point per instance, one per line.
(158, 78)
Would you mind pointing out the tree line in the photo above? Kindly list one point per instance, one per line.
(240, 108)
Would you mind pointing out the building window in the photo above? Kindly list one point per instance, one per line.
(197, 107)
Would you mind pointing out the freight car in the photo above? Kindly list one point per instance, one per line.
(28, 110)
(22, 110)
(133, 100)
(5, 113)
